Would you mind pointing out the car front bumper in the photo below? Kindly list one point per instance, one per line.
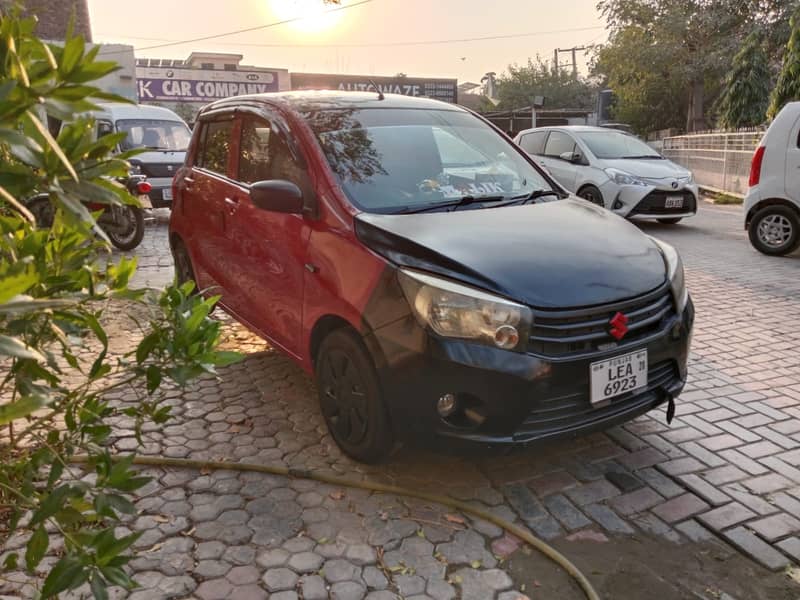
(649, 202)
(519, 398)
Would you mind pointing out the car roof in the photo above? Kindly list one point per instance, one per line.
(573, 129)
(122, 110)
(310, 100)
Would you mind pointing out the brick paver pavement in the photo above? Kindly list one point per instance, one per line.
(728, 467)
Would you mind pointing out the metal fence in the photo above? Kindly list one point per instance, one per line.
(719, 160)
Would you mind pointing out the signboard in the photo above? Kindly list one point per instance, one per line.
(159, 84)
(439, 89)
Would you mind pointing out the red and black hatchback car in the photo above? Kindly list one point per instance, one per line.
(429, 275)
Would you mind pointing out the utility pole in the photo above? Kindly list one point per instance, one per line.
(574, 50)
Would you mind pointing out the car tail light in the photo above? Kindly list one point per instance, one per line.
(144, 187)
(755, 166)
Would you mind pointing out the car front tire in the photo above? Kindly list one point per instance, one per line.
(592, 194)
(775, 230)
(350, 398)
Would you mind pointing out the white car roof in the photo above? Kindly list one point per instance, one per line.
(119, 110)
(573, 129)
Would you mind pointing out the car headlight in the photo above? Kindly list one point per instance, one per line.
(453, 310)
(623, 178)
(675, 274)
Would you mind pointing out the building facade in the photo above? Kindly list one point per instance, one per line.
(55, 15)
(185, 86)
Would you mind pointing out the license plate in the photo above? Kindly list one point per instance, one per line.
(618, 375)
(166, 194)
(674, 202)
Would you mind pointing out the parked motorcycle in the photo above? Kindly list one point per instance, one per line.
(123, 224)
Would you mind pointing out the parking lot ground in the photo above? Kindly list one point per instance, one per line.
(701, 508)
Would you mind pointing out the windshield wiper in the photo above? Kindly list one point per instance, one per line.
(644, 157)
(463, 201)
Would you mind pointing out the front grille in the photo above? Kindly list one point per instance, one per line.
(160, 170)
(569, 333)
(559, 415)
(655, 203)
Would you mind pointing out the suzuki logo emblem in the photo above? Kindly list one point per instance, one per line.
(619, 326)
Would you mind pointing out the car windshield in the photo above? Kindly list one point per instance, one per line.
(391, 160)
(615, 144)
(155, 134)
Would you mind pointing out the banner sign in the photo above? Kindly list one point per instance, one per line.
(438, 89)
(200, 85)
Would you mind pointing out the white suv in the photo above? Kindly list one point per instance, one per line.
(615, 170)
(772, 204)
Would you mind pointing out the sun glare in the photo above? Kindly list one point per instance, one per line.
(314, 15)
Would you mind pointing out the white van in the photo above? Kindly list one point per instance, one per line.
(163, 134)
(772, 204)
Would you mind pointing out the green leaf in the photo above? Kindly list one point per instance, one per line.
(10, 563)
(14, 347)
(43, 131)
(71, 55)
(37, 547)
(112, 548)
(20, 409)
(117, 576)
(146, 347)
(153, 378)
(66, 574)
(99, 587)
(52, 503)
(224, 358)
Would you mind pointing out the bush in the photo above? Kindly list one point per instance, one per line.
(56, 286)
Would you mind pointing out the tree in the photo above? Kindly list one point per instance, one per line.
(517, 88)
(787, 88)
(56, 287)
(682, 48)
(746, 91)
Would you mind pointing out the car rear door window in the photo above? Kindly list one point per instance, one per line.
(254, 152)
(533, 143)
(216, 148)
(558, 143)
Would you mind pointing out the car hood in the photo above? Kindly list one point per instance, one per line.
(562, 254)
(652, 169)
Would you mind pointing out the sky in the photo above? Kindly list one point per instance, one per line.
(356, 40)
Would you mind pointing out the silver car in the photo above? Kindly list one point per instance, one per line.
(615, 170)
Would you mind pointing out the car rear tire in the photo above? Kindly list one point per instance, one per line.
(775, 230)
(183, 264)
(671, 221)
(350, 398)
(592, 194)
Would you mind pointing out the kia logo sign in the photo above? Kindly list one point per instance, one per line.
(252, 76)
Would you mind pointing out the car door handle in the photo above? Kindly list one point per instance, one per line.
(232, 202)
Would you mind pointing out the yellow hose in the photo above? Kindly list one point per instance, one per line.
(548, 551)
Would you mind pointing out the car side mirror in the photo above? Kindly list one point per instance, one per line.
(277, 195)
(573, 157)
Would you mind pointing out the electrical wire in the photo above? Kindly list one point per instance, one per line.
(383, 44)
(238, 31)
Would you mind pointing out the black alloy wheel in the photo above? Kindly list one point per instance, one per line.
(350, 398)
